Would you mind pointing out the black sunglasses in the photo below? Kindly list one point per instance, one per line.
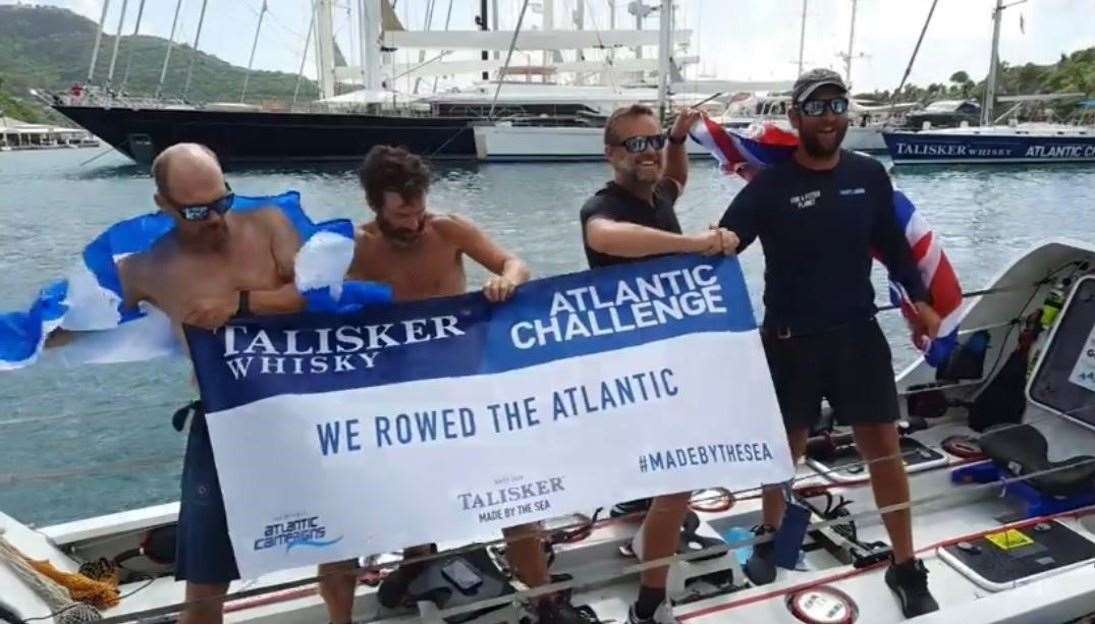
(200, 212)
(640, 143)
(816, 108)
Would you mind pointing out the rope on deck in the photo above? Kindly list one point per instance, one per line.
(56, 596)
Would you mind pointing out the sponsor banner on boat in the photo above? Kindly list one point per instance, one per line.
(450, 419)
(907, 147)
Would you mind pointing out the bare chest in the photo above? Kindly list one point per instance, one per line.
(430, 270)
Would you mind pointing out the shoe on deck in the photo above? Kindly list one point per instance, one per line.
(558, 609)
(761, 566)
(909, 581)
(664, 614)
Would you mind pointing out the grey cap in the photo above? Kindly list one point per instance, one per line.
(809, 82)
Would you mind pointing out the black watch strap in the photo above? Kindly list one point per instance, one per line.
(676, 141)
(244, 309)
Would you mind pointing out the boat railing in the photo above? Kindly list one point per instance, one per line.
(583, 526)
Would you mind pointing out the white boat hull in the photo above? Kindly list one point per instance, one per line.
(506, 143)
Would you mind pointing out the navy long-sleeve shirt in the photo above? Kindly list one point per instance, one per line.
(818, 229)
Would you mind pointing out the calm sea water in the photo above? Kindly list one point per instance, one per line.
(63, 428)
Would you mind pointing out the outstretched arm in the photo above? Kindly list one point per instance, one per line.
(509, 270)
(629, 240)
(676, 154)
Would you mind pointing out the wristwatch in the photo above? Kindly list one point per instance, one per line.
(676, 141)
(244, 309)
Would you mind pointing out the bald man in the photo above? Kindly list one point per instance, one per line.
(214, 265)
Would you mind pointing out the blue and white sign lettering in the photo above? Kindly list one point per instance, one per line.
(449, 419)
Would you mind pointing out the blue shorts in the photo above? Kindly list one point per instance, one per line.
(203, 552)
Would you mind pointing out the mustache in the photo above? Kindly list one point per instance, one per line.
(400, 233)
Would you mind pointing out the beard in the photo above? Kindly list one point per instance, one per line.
(818, 147)
(213, 235)
(400, 235)
(644, 174)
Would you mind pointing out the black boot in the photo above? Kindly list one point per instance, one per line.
(559, 609)
(392, 592)
(761, 567)
(909, 581)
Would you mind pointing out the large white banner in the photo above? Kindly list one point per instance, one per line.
(451, 419)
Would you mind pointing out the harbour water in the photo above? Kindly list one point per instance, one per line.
(98, 439)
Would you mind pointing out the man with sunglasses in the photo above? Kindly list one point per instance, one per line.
(631, 219)
(214, 265)
(818, 216)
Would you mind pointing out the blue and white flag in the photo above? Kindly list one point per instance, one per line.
(450, 419)
(90, 300)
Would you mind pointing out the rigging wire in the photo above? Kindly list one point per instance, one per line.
(912, 59)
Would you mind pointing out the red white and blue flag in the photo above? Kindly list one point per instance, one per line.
(746, 153)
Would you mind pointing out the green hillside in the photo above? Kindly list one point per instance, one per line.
(1072, 73)
(50, 48)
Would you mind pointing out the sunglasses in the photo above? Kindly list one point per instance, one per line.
(640, 143)
(816, 108)
(200, 212)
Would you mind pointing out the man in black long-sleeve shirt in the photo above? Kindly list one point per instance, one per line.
(818, 216)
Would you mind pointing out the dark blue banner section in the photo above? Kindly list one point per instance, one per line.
(551, 319)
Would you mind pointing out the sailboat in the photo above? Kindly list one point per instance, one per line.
(991, 143)
(346, 127)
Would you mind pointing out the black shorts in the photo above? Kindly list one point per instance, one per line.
(850, 366)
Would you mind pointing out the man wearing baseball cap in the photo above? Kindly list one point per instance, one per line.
(818, 215)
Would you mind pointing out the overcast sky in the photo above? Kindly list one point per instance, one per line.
(735, 39)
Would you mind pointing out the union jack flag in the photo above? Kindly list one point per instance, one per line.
(746, 153)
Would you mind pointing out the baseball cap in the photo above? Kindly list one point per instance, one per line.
(809, 82)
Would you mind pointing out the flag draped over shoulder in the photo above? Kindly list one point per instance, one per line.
(89, 301)
(746, 153)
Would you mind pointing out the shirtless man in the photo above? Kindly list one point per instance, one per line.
(421, 255)
(214, 265)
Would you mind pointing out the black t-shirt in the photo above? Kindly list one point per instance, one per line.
(618, 204)
(818, 229)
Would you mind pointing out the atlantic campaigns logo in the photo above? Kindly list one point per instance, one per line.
(295, 531)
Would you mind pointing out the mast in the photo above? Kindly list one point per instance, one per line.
(448, 20)
(994, 60)
(548, 25)
(170, 44)
(802, 38)
(851, 43)
(129, 57)
(484, 25)
(304, 58)
(325, 49)
(117, 41)
(371, 22)
(494, 23)
(664, 44)
(509, 54)
(427, 25)
(194, 51)
(98, 40)
(254, 45)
